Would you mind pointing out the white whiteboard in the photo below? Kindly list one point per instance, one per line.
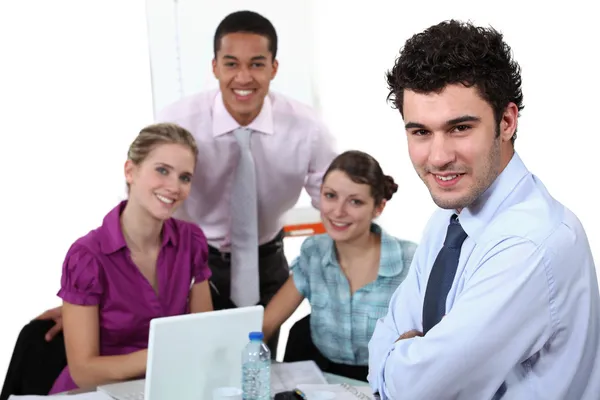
(181, 32)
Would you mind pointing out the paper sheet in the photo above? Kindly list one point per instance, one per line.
(337, 392)
(81, 396)
(287, 376)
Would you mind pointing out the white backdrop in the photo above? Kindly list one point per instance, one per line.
(75, 87)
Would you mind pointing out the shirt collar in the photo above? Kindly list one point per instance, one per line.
(390, 259)
(112, 239)
(223, 122)
(477, 216)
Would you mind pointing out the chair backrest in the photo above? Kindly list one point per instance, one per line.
(299, 346)
(35, 363)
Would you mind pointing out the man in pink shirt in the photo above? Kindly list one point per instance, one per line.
(289, 148)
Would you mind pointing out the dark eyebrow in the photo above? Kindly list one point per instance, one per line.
(453, 121)
(412, 125)
(352, 195)
(464, 118)
(255, 58)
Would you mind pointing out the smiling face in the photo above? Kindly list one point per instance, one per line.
(161, 182)
(454, 144)
(347, 207)
(244, 67)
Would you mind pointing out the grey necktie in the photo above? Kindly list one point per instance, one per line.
(244, 227)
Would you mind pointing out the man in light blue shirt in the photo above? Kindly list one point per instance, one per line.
(501, 300)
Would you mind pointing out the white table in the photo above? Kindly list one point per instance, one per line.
(331, 378)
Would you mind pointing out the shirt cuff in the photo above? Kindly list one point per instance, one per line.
(203, 275)
(79, 298)
(381, 389)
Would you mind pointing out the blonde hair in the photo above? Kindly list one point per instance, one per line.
(156, 134)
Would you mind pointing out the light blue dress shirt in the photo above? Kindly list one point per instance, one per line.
(523, 309)
(341, 324)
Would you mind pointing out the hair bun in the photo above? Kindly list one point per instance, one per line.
(390, 187)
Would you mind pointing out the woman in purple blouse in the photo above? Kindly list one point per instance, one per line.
(138, 265)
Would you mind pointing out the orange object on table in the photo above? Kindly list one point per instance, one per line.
(302, 221)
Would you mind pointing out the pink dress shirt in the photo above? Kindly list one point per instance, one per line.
(98, 271)
(291, 148)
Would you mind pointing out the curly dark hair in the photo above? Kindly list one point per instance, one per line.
(454, 52)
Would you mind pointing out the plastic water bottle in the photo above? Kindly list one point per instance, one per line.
(256, 369)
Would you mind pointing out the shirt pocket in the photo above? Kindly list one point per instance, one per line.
(375, 314)
(320, 316)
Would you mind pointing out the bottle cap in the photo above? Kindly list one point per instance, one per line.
(256, 336)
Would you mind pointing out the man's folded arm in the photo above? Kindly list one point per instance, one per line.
(470, 352)
(401, 317)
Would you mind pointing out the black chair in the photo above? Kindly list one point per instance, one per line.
(35, 363)
(300, 347)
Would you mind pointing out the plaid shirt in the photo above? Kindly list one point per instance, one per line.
(342, 324)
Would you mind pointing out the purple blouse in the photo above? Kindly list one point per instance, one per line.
(98, 270)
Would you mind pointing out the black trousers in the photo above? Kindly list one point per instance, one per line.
(35, 363)
(300, 347)
(273, 272)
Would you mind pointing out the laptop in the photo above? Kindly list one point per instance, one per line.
(191, 355)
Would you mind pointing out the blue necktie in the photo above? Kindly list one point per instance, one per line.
(442, 275)
(440, 281)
